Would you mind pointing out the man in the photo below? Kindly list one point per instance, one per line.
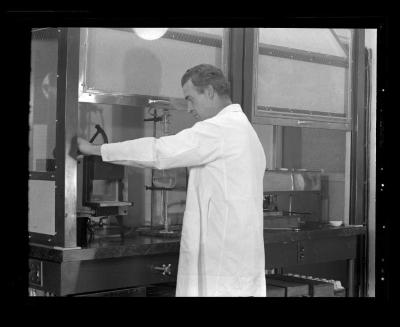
(222, 245)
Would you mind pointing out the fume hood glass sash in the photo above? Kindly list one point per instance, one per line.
(302, 77)
(118, 67)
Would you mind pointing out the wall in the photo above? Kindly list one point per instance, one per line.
(127, 124)
(314, 149)
(326, 149)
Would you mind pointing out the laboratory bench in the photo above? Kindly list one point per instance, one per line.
(111, 263)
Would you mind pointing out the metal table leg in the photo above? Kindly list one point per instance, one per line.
(350, 277)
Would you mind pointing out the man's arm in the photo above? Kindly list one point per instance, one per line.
(88, 148)
(193, 146)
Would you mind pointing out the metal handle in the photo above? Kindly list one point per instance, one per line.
(166, 270)
(302, 122)
(159, 103)
(101, 131)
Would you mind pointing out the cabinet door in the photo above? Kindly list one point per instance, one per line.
(280, 255)
(325, 250)
(115, 273)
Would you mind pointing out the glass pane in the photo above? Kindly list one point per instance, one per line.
(320, 40)
(319, 149)
(104, 190)
(120, 61)
(304, 71)
(43, 100)
(41, 200)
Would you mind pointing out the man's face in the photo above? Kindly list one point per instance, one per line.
(199, 104)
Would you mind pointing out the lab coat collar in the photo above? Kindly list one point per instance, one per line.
(234, 107)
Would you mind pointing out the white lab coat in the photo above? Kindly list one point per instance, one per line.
(222, 244)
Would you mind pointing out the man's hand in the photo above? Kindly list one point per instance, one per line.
(88, 148)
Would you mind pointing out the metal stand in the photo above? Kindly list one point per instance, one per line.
(162, 105)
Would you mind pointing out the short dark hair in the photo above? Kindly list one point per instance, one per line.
(203, 75)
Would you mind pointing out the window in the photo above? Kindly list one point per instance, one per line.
(302, 77)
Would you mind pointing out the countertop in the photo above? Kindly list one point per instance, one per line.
(139, 245)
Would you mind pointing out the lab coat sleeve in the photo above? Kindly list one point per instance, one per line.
(194, 146)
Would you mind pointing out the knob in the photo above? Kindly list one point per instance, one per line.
(166, 270)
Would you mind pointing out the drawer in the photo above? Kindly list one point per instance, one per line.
(291, 288)
(108, 274)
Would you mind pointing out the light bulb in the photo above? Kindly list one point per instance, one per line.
(150, 33)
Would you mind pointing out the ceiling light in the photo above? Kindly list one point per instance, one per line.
(150, 33)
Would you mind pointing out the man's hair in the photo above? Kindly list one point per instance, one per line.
(204, 75)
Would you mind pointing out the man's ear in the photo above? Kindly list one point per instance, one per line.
(210, 91)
